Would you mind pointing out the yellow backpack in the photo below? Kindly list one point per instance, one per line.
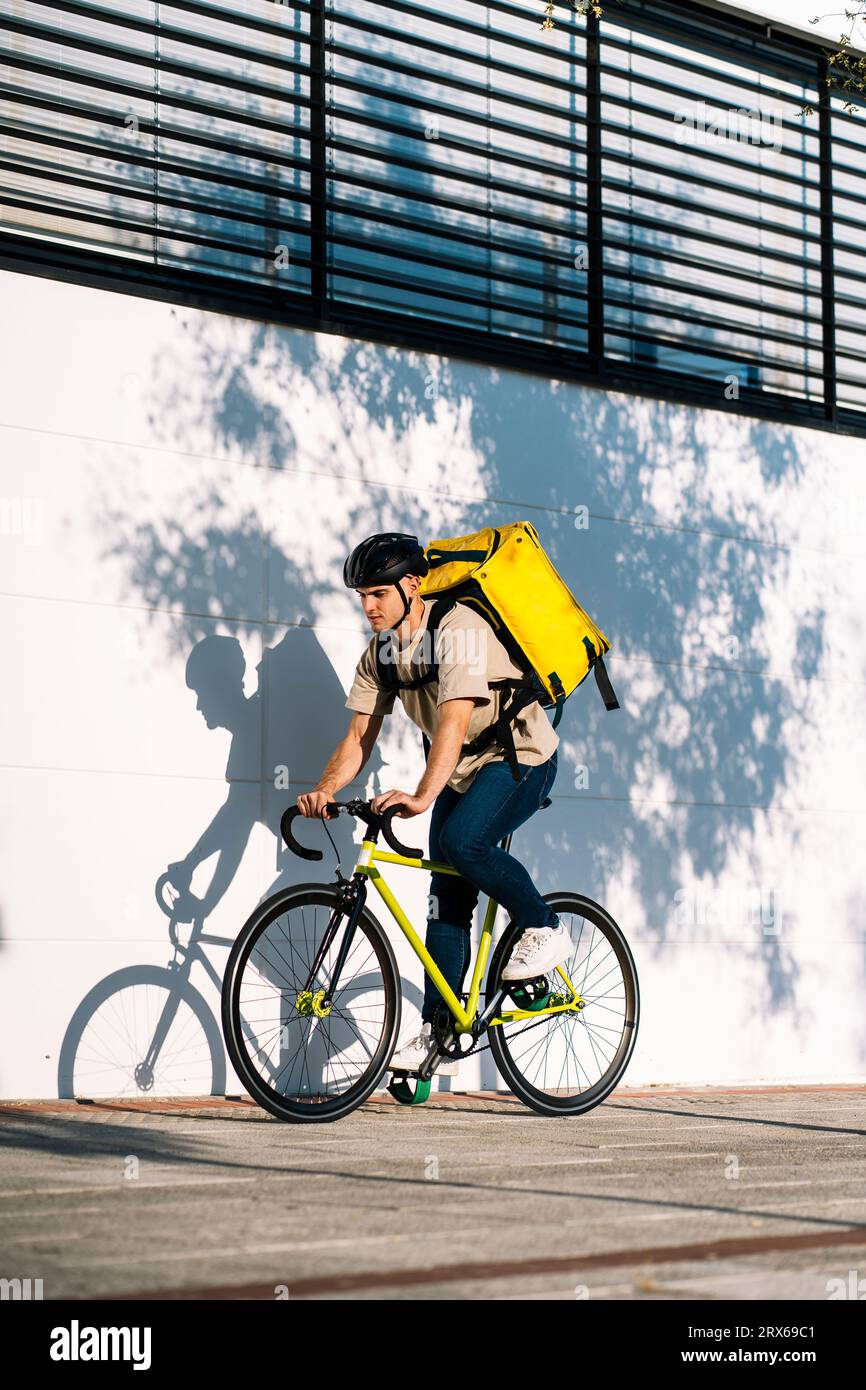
(504, 573)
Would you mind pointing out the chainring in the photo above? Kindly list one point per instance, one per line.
(443, 1022)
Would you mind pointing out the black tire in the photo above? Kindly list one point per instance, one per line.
(91, 1054)
(284, 956)
(604, 1031)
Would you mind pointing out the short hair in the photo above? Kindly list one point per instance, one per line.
(215, 659)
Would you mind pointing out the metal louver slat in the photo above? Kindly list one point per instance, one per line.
(164, 133)
(636, 202)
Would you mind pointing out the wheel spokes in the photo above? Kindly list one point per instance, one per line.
(115, 1054)
(570, 1052)
(303, 1051)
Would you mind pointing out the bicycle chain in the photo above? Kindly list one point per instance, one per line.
(478, 1046)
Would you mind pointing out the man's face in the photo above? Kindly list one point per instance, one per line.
(383, 606)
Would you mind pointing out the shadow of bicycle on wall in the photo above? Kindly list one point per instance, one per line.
(147, 1030)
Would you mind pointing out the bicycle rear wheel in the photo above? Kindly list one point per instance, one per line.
(566, 1063)
(298, 1064)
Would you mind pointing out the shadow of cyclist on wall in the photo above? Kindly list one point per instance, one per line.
(278, 748)
(281, 738)
(279, 735)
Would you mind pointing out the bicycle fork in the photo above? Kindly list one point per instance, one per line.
(353, 892)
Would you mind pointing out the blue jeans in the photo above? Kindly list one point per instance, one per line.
(464, 830)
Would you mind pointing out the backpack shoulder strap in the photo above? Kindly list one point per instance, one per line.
(387, 670)
(501, 731)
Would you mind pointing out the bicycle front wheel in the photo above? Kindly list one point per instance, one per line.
(298, 1058)
(565, 1063)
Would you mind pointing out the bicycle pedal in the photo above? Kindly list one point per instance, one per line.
(523, 989)
(401, 1089)
(531, 994)
(432, 1063)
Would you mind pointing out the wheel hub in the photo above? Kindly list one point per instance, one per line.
(308, 1004)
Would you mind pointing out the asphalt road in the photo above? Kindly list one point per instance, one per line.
(657, 1194)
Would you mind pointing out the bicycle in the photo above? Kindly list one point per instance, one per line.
(146, 1029)
(293, 1002)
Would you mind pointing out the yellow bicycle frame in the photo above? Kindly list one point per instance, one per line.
(464, 1018)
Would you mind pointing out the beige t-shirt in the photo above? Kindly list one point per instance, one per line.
(470, 654)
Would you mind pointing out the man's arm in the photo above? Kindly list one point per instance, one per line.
(227, 836)
(345, 762)
(351, 753)
(448, 740)
(238, 827)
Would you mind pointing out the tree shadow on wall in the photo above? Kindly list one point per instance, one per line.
(312, 442)
(672, 787)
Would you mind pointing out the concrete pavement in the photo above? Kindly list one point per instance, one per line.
(656, 1194)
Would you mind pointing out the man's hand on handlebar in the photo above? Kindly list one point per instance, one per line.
(314, 803)
(180, 874)
(414, 805)
(363, 810)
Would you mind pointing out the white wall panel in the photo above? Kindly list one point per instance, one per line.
(169, 476)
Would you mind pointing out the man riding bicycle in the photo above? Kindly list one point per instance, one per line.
(476, 801)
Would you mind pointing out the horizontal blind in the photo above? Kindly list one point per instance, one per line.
(711, 209)
(849, 251)
(174, 134)
(637, 201)
(456, 169)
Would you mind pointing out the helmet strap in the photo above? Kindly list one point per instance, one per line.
(406, 604)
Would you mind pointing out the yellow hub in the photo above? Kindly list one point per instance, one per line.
(308, 1003)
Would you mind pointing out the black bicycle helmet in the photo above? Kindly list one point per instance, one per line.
(384, 559)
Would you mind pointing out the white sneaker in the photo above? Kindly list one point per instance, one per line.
(538, 951)
(417, 1050)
